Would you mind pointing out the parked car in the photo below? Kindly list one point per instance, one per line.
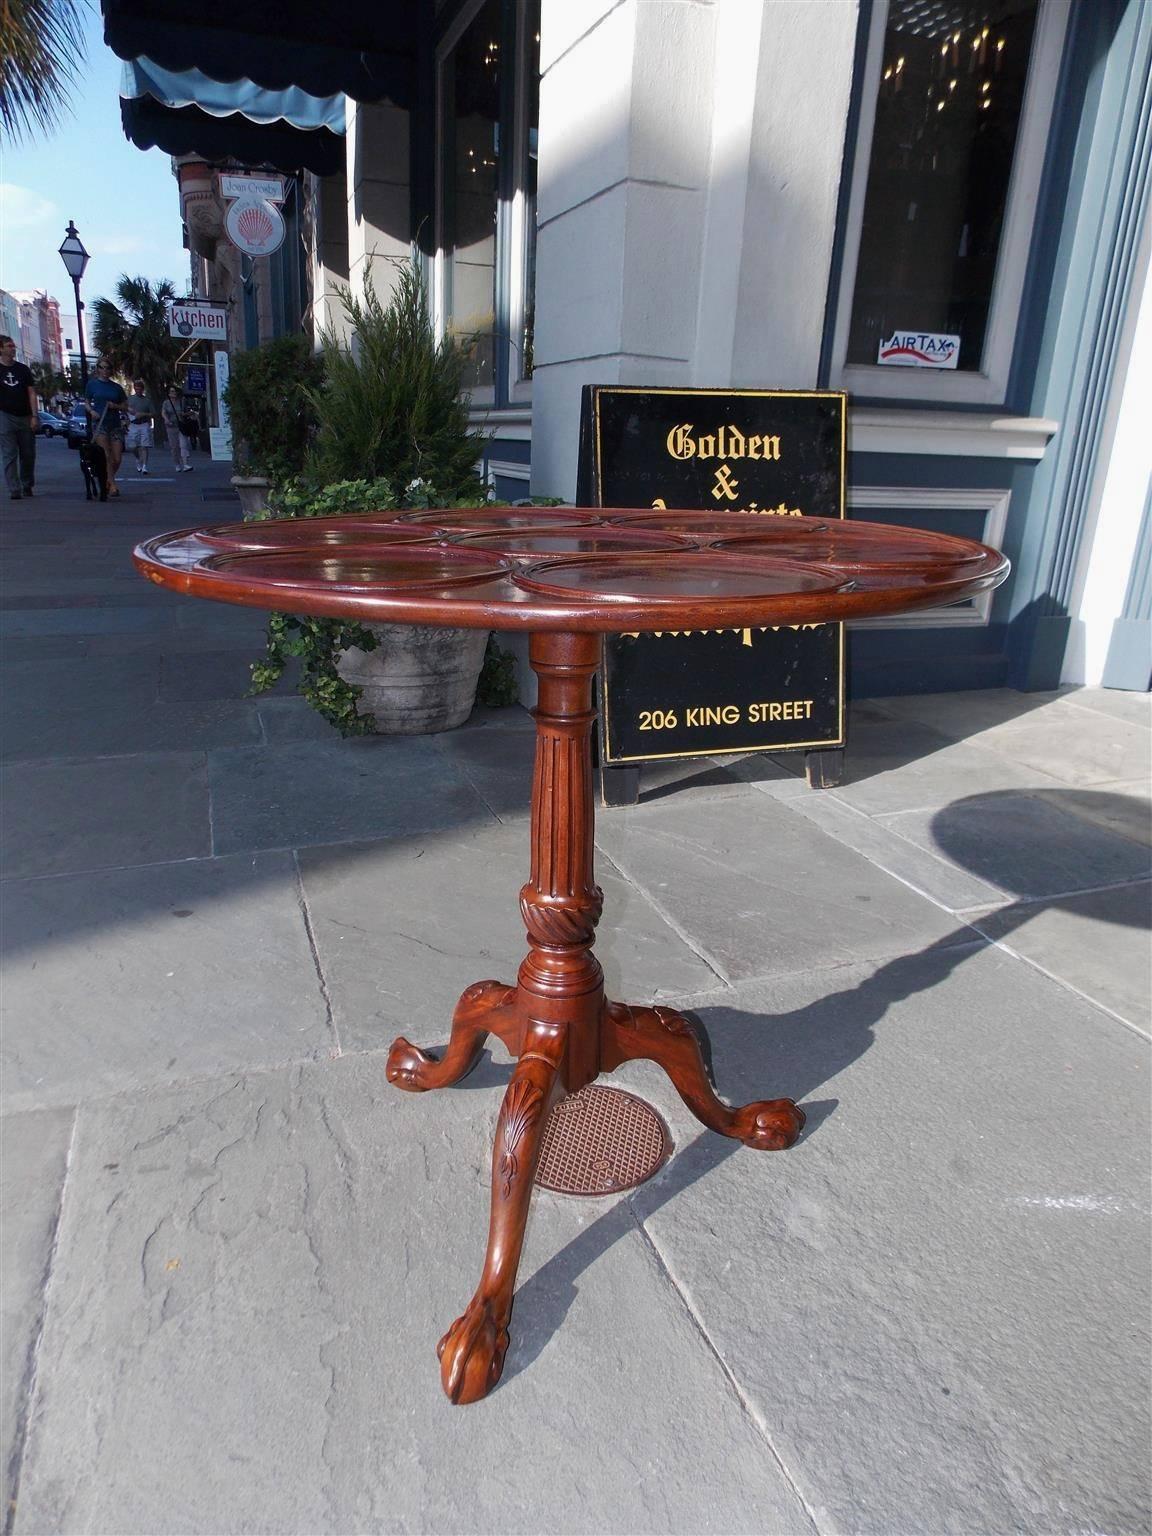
(77, 425)
(51, 424)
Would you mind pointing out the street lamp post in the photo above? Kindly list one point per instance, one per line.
(75, 259)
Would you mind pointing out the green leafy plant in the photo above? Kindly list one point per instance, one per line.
(269, 399)
(497, 687)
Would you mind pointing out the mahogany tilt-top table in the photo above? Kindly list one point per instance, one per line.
(567, 576)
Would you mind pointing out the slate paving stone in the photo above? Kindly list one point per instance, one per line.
(1023, 844)
(1113, 749)
(1135, 707)
(61, 684)
(33, 1157)
(287, 719)
(908, 766)
(96, 621)
(497, 763)
(69, 817)
(764, 893)
(326, 792)
(401, 928)
(966, 716)
(1124, 807)
(142, 976)
(937, 878)
(223, 674)
(937, 1301)
(104, 725)
(250, 1323)
(17, 651)
(1097, 943)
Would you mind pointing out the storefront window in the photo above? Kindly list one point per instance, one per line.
(470, 206)
(948, 113)
(489, 93)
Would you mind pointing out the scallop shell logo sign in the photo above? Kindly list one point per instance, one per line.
(254, 223)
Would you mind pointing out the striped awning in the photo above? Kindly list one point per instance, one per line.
(188, 112)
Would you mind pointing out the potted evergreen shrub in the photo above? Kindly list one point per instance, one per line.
(270, 406)
(391, 431)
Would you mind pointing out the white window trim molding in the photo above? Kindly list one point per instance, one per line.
(508, 471)
(945, 386)
(948, 434)
(994, 505)
(512, 423)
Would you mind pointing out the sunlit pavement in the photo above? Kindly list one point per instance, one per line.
(230, 1247)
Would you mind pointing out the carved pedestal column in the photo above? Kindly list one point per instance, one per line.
(560, 979)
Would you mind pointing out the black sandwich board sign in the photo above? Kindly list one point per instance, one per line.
(765, 453)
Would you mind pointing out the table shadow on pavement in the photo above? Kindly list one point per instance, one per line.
(792, 1053)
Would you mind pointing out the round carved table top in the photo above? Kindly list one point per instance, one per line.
(573, 569)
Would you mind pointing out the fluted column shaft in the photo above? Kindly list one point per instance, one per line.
(560, 979)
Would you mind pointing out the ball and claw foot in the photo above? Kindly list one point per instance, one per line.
(406, 1065)
(471, 1354)
(769, 1126)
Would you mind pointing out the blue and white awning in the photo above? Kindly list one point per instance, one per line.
(187, 112)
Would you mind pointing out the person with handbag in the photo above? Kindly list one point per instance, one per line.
(175, 420)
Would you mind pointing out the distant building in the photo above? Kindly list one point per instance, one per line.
(10, 319)
(39, 333)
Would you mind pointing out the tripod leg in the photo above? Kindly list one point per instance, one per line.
(669, 1039)
(472, 1351)
(487, 1008)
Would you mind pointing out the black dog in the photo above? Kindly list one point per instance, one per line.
(94, 468)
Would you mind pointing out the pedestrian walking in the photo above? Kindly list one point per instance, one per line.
(141, 412)
(172, 416)
(19, 422)
(106, 403)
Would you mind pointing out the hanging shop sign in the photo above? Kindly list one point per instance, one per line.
(198, 320)
(919, 349)
(253, 222)
(195, 379)
(763, 453)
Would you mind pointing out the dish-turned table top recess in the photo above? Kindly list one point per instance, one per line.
(572, 569)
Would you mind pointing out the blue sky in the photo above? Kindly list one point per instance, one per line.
(124, 200)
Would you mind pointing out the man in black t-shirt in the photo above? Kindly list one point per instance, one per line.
(19, 422)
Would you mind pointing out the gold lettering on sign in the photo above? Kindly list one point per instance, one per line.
(780, 709)
(725, 443)
(725, 486)
(745, 634)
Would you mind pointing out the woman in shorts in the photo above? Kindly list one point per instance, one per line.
(106, 402)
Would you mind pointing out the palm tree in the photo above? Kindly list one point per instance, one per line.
(41, 49)
(132, 332)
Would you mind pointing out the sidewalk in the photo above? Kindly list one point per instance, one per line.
(230, 1246)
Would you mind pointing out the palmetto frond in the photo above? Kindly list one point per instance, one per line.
(132, 331)
(41, 49)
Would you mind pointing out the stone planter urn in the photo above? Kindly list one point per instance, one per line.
(419, 679)
(253, 493)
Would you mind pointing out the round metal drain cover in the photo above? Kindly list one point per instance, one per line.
(600, 1141)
